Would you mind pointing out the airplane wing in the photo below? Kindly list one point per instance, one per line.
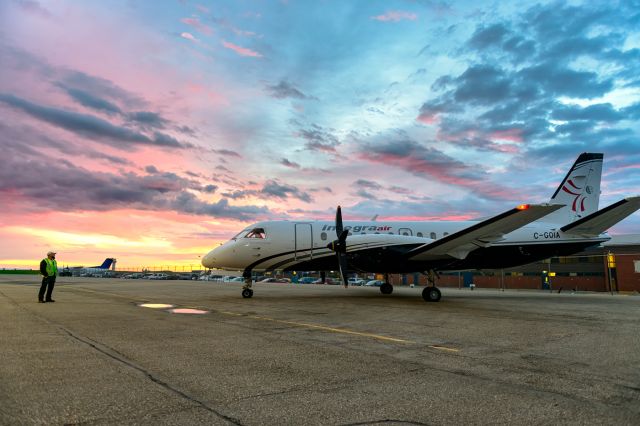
(482, 234)
(598, 222)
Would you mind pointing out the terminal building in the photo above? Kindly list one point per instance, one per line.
(615, 266)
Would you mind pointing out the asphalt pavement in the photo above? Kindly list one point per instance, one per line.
(313, 355)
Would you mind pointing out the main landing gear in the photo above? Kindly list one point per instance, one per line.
(431, 293)
(247, 292)
(386, 288)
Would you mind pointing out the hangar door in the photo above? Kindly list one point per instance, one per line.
(304, 240)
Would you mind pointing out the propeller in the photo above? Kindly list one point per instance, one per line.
(340, 247)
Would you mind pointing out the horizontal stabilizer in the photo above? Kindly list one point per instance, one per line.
(482, 234)
(598, 222)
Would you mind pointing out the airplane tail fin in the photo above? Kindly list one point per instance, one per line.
(598, 222)
(579, 191)
(106, 264)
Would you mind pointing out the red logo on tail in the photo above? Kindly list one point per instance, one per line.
(571, 188)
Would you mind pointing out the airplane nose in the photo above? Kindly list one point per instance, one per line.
(209, 260)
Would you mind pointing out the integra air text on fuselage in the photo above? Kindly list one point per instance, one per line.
(569, 223)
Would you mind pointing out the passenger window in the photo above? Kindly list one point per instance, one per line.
(419, 234)
(433, 235)
(323, 236)
(445, 234)
(256, 233)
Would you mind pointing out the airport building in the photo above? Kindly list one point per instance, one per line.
(613, 267)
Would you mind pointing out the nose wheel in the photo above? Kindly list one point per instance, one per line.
(246, 288)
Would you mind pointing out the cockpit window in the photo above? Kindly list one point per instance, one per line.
(240, 234)
(256, 233)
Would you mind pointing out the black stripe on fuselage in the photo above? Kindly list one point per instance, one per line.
(381, 259)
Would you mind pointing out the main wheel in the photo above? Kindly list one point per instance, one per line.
(386, 288)
(431, 294)
(247, 293)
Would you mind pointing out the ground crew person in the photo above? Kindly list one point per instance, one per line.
(49, 270)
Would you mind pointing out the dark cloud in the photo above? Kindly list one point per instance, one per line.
(269, 190)
(25, 140)
(210, 189)
(89, 125)
(319, 139)
(364, 194)
(289, 164)
(147, 119)
(558, 81)
(283, 191)
(227, 152)
(364, 183)
(488, 36)
(430, 163)
(99, 87)
(151, 169)
(91, 101)
(61, 186)
(595, 113)
(284, 90)
(518, 72)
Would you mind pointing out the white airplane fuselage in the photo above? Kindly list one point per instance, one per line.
(302, 246)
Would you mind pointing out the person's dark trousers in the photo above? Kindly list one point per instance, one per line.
(47, 284)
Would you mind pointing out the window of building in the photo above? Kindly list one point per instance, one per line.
(636, 265)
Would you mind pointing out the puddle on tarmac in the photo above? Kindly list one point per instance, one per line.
(156, 305)
(188, 311)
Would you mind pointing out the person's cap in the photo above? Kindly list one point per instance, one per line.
(50, 253)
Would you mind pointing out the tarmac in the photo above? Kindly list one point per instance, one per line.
(314, 355)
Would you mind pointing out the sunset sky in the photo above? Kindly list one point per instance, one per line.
(152, 131)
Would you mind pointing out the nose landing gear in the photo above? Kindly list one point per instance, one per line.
(247, 292)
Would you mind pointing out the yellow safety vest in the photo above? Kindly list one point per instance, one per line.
(52, 267)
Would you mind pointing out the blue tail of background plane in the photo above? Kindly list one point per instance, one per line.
(105, 265)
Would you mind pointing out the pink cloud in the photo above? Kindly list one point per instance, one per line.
(189, 36)
(242, 51)
(395, 16)
(513, 135)
(199, 26)
(426, 118)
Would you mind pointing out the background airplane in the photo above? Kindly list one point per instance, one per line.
(109, 262)
(569, 223)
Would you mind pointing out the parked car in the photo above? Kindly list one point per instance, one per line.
(236, 280)
(65, 273)
(307, 280)
(274, 280)
(328, 281)
(133, 276)
(160, 276)
(374, 283)
(356, 281)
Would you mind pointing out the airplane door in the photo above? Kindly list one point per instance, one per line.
(405, 231)
(304, 240)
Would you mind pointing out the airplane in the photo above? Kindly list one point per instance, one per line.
(77, 270)
(569, 223)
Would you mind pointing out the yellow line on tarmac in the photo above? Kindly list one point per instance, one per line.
(444, 348)
(322, 327)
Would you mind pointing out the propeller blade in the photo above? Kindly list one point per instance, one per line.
(339, 221)
(342, 263)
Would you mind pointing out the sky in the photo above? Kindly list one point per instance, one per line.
(151, 131)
